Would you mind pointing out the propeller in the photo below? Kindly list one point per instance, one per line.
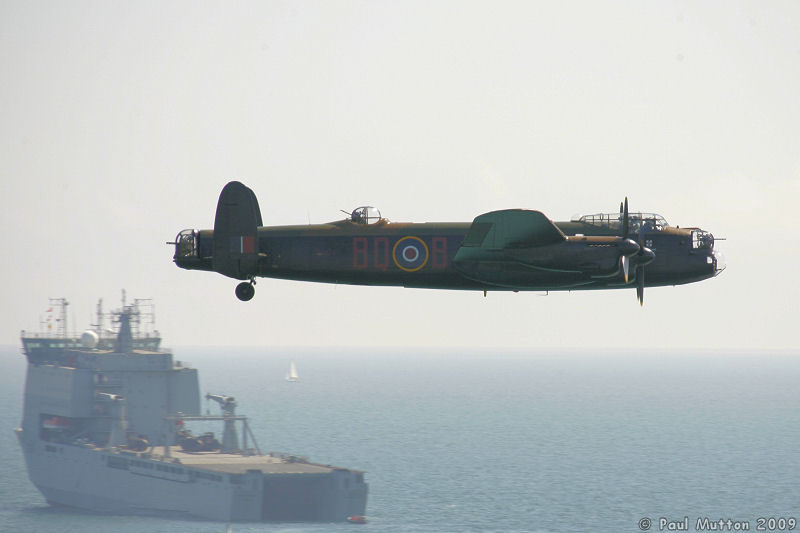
(626, 266)
(640, 285)
(625, 260)
(640, 268)
(624, 213)
(644, 256)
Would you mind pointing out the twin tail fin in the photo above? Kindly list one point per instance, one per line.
(236, 232)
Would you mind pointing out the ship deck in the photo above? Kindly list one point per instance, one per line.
(229, 463)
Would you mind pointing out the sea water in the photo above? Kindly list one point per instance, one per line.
(507, 441)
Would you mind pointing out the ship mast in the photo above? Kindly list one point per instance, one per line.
(99, 325)
(61, 303)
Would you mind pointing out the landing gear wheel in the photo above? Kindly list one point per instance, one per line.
(245, 291)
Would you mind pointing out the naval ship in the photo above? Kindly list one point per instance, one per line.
(105, 428)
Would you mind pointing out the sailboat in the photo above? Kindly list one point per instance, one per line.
(292, 375)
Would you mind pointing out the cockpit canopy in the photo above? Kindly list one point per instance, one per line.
(365, 215)
(613, 221)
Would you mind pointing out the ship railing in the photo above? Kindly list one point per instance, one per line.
(44, 335)
(289, 457)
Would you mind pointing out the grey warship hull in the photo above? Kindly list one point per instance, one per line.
(123, 483)
(102, 430)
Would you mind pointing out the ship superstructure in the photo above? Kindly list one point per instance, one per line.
(54, 337)
(105, 430)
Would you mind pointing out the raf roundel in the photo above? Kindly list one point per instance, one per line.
(410, 254)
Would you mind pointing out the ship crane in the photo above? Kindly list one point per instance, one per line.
(228, 403)
(119, 424)
(230, 440)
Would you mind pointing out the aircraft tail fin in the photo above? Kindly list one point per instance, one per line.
(236, 232)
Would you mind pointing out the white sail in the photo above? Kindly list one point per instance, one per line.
(292, 375)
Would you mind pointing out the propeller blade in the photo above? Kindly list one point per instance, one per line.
(625, 267)
(640, 285)
(625, 220)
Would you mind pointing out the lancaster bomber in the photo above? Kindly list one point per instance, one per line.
(506, 250)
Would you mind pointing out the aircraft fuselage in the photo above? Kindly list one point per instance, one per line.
(512, 249)
(420, 255)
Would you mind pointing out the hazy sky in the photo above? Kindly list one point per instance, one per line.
(121, 122)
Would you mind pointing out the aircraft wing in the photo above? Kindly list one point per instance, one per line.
(512, 228)
(490, 251)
